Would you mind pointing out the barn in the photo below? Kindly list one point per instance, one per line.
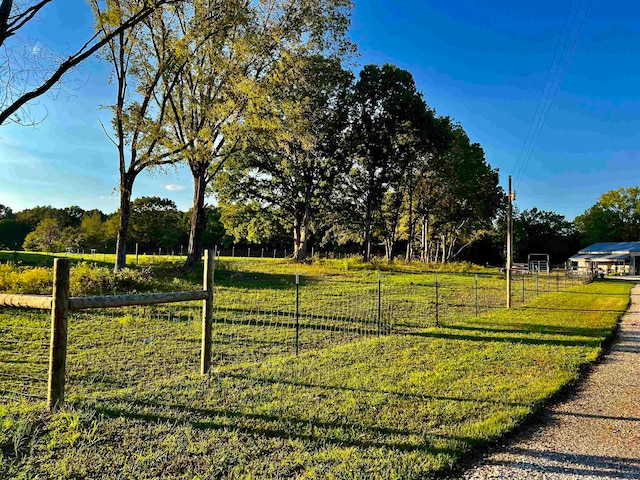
(609, 257)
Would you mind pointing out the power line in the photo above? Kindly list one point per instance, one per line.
(555, 86)
(547, 85)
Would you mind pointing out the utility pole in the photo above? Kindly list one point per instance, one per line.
(509, 242)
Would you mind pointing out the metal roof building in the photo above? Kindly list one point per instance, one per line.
(610, 257)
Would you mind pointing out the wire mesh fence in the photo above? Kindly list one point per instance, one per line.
(126, 347)
(24, 345)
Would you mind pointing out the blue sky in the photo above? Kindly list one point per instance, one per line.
(483, 63)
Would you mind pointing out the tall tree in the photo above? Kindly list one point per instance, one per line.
(539, 231)
(461, 200)
(387, 113)
(149, 58)
(225, 76)
(294, 157)
(614, 217)
(155, 223)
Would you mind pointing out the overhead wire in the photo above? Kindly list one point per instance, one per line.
(548, 95)
(567, 27)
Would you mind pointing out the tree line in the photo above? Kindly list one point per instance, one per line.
(254, 98)
(157, 225)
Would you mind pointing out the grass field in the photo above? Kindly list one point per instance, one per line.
(408, 405)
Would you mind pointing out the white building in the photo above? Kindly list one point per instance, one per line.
(609, 257)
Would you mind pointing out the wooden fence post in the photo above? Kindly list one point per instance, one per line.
(207, 312)
(58, 346)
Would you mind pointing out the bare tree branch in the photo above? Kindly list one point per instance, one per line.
(81, 54)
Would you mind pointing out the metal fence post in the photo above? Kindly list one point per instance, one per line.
(476, 295)
(523, 301)
(537, 284)
(437, 304)
(274, 253)
(548, 281)
(59, 323)
(207, 311)
(297, 314)
(379, 304)
(557, 282)
(233, 251)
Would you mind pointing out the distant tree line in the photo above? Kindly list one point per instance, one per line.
(156, 224)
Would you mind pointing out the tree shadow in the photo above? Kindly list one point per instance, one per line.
(321, 438)
(529, 328)
(399, 394)
(507, 339)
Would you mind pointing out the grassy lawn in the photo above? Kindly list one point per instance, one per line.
(408, 405)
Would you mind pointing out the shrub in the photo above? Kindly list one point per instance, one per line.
(85, 279)
(17, 279)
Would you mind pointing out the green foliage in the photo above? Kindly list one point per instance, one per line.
(45, 238)
(538, 231)
(252, 223)
(85, 279)
(615, 217)
(293, 155)
(89, 279)
(156, 222)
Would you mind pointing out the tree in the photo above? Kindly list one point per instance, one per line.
(148, 57)
(539, 231)
(387, 112)
(291, 165)
(12, 232)
(208, 105)
(93, 230)
(155, 223)
(461, 199)
(25, 79)
(253, 223)
(45, 238)
(615, 217)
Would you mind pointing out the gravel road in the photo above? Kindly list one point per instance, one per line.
(593, 435)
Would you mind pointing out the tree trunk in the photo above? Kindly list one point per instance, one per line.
(389, 245)
(425, 244)
(198, 217)
(409, 255)
(126, 188)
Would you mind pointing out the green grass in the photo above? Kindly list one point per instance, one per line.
(409, 405)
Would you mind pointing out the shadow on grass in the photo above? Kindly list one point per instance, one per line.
(322, 438)
(593, 343)
(368, 390)
(528, 328)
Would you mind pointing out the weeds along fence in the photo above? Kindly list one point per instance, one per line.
(96, 344)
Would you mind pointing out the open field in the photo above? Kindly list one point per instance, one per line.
(407, 405)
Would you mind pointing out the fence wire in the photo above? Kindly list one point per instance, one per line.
(24, 349)
(127, 346)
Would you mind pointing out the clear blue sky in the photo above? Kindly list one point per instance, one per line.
(484, 63)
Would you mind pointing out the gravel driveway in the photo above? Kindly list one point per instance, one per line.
(595, 434)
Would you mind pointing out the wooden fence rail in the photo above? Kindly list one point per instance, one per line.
(60, 303)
